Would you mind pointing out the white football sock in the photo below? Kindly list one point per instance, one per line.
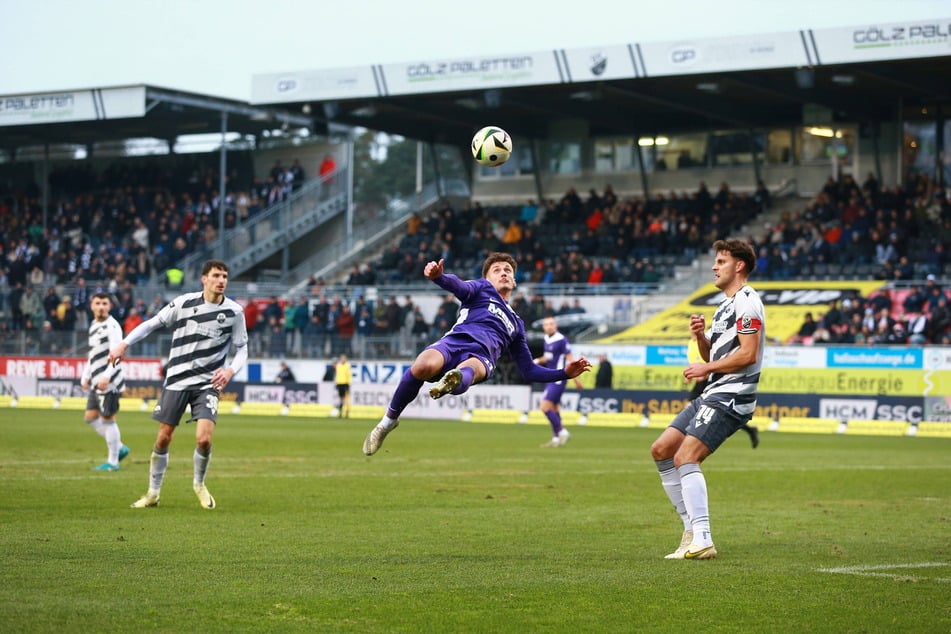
(694, 487)
(201, 466)
(670, 479)
(113, 440)
(96, 425)
(158, 463)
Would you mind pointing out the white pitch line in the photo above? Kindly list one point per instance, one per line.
(629, 464)
(926, 564)
(868, 571)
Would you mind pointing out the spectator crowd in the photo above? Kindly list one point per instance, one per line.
(111, 230)
(916, 315)
(599, 239)
(116, 227)
(325, 326)
(897, 234)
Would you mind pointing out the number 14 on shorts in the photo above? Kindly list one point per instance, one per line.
(704, 415)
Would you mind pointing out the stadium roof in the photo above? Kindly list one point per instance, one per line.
(864, 74)
(766, 98)
(90, 116)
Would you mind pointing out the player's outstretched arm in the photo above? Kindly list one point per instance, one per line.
(434, 269)
(138, 333)
(116, 354)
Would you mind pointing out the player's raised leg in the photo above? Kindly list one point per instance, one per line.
(428, 363)
(458, 380)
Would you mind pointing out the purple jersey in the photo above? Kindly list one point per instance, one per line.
(556, 349)
(490, 322)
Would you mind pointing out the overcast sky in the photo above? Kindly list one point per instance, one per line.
(214, 47)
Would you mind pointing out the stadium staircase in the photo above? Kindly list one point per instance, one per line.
(289, 228)
(371, 235)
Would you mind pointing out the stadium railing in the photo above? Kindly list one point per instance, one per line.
(273, 228)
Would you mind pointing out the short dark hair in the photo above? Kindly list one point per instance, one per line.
(498, 257)
(739, 250)
(213, 264)
(103, 295)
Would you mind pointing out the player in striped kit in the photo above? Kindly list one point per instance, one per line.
(732, 353)
(205, 326)
(104, 381)
(556, 354)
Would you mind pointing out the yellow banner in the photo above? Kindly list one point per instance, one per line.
(855, 382)
(845, 382)
(786, 305)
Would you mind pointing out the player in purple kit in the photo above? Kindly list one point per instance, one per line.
(467, 354)
(556, 355)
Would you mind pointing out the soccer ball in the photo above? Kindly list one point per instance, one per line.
(491, 146)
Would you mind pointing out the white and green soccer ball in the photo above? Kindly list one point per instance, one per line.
(491, 146)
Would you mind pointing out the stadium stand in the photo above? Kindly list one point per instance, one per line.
(599, 239)
(105, 237)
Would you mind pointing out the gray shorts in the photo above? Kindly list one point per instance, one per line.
(106, 404)
(172, 403)
(709, 425)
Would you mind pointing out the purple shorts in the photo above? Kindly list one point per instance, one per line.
(553, 392)
(456, 349)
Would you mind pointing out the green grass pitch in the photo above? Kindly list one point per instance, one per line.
(457, 527)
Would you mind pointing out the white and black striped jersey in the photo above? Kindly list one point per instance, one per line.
(741, 314)
(103, 336)
(202, 335)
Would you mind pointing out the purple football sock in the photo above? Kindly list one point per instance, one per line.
(405, 393)
(555, 419)
(468, 374)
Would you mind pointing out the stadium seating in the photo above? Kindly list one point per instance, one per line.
(560, 246)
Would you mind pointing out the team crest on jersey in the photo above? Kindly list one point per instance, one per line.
(221, 318)
(749, 325)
